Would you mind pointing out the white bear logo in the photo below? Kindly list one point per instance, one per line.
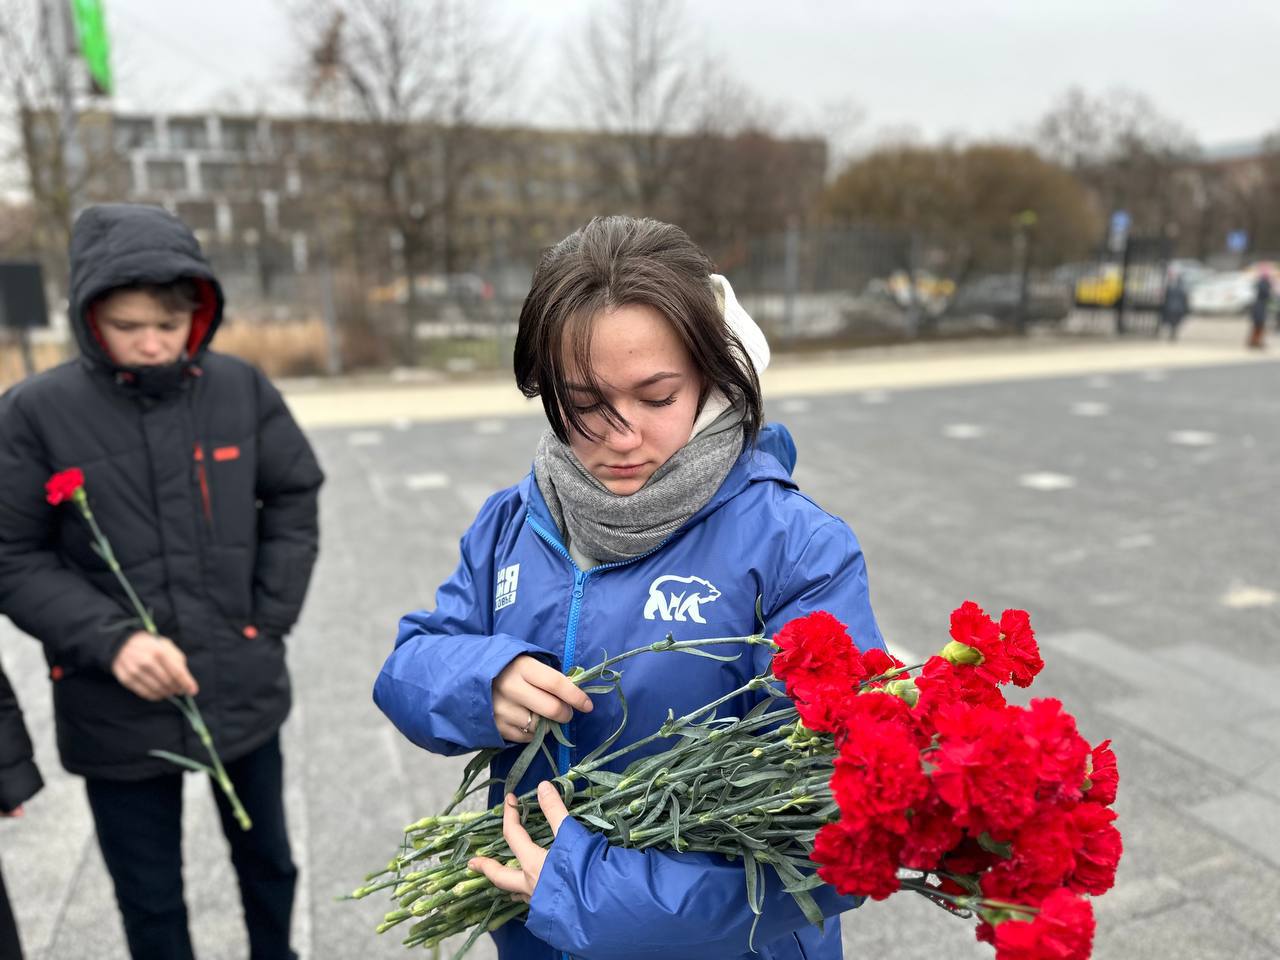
(667, 604)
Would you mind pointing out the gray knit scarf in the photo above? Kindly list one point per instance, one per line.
(606, 527)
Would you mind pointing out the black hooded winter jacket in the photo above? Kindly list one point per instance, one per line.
(19, 777)
(205, 487)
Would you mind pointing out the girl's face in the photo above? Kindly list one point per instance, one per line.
(647, 374)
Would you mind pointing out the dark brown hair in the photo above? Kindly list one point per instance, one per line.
(614, 262)
(177, 296)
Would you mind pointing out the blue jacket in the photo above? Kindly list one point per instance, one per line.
(516, 591)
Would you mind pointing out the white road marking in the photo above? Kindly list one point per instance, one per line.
(1154, 376)
(364, 438)
(426, 481)
(1135, 541)
(1243, 597)
(875, 396)
(1047, 481)
(1193, 438)
(1090, 408)
(401, 424)
(963, 431)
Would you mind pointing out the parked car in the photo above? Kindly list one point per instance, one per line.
(1224, 294)
(999, 296)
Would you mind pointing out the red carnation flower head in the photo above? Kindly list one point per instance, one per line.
(1098, 851)
(984, 769)
(1020, 645)
(859, 862)
(816, 646)
(942, 683)
(1104, 775)
(64, 485)
(975, 642)
(878, 776)
(1062, 930)
(1062, 754)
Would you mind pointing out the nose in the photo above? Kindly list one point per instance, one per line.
(149, 342)
(623, 439)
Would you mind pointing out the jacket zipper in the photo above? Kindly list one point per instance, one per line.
(563, 759)
(203, 477)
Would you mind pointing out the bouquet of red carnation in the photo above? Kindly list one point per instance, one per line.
(886, 777)
(1004, 811)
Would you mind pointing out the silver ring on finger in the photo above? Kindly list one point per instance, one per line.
(527, 728)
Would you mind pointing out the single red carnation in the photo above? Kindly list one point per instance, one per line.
(1062, 754)
(858, 862)
(971, 626)
(821, 702)
(984, 769)
(1020, 644)
(877, 776)
(1062, 930)
(877, 662)
(1098, 851)
(816, 646)
(1104, 775)
(63, 485)
(942, 683)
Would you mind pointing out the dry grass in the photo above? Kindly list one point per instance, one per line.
(294, 349)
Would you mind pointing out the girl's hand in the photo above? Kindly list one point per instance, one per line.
(520, 883)
(528, 689)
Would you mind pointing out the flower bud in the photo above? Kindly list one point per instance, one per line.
(961, 653)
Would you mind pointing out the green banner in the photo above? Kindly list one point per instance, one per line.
(91, 31)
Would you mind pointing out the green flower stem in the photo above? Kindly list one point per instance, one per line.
(185, 704)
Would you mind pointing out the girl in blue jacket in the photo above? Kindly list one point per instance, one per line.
(656, 504)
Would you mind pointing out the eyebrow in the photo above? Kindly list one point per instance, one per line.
(646, 382)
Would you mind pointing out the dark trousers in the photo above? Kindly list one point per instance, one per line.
(139, 826)
(10, 947)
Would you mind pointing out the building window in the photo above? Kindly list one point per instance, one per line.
(166, 175)
(222, 176)
(188, 135)
(239, 136)
(134, 134)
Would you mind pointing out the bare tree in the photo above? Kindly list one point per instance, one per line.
(59, 150)
(633, 84)
(1125, 150)
(401, 88)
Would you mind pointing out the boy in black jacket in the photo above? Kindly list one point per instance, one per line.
(207, 490)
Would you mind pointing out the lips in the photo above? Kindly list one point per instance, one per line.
(624, 469)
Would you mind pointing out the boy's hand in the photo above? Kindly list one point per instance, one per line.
(15, 812)
(528, 689)
(153, 667)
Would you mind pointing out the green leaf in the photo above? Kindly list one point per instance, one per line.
(597, 822)
(479, 929)
(723, 658)
(182, 761)
(991, 845)
(526, 758)
(557, 731)
(624, 830)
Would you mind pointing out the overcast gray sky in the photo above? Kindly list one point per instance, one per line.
(971, 67)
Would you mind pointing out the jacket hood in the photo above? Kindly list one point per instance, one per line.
(117, 245)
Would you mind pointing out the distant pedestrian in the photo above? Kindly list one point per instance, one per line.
(1175, 306)
(1258, 312)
